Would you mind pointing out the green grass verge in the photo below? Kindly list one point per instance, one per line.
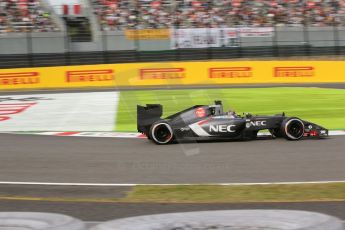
(238, 194)
(323, 106)
(208, 194)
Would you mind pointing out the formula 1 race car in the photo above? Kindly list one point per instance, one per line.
(209, 122)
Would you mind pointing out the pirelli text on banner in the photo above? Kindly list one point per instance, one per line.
(90, 75)
(231, 72)
(148, 34)
(296, 71)
(162, 73)
(20, 78)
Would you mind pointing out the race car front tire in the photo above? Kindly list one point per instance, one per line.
(161, 133)
(292, 129)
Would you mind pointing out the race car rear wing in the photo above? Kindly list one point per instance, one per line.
(147, 115)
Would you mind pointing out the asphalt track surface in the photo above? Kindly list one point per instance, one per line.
(114, 160)
(30, 158)
(110, 160)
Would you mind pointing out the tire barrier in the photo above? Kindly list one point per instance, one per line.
(39, 221)
(232, 220)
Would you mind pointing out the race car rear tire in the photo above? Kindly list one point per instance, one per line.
(292, 129)
(161, 133)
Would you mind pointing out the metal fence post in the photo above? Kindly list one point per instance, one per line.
(306, 40)
(240, 52)
(104, 40)
(29, 48)
(336, 40)
(275, 42)
(67, 48)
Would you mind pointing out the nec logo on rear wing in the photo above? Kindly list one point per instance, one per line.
(298, 71)
(90, 75)
(23, 78)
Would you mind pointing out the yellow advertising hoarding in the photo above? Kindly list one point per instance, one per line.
(173, 73)
(148, 34)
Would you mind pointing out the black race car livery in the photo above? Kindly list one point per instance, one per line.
(209, 122)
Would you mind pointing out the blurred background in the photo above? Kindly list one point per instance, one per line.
(73, 32)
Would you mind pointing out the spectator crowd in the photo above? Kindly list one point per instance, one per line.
(151, 14)
(24, 16)
(29, 15)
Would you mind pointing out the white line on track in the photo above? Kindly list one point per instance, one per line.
(131, 185)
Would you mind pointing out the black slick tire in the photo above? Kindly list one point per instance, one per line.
(292, 129)
(161, 133)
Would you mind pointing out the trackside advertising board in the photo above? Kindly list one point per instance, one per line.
(173, 73)
(215, 37)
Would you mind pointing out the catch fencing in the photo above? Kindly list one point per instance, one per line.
(153, 45)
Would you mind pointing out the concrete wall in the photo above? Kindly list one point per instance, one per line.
(317, 37)
(290, 36)
(22, 43)
(116, 41)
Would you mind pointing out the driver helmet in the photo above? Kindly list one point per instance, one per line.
(231, 113)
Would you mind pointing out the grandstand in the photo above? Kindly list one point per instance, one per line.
(29, 15)
(117, 31)
(153, 14)
(25, 16)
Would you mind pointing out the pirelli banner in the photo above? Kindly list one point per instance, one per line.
(173, 73)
